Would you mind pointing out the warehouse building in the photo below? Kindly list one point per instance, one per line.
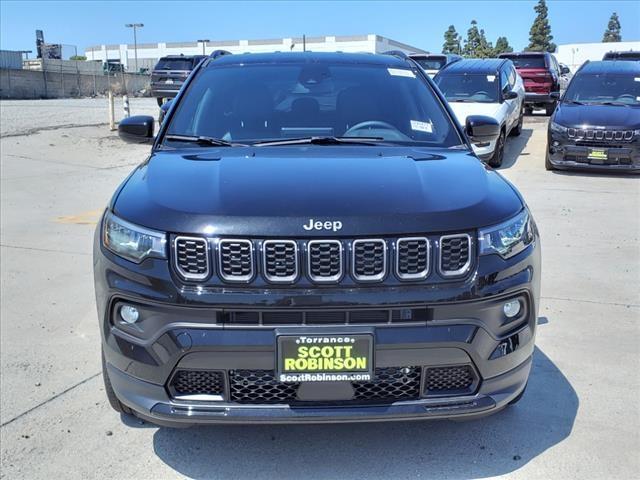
(149, 53)
(575, 54)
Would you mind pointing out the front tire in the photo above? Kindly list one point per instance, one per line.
(517, 130)
(498, 154)
(547, 163)
(111, 395)
(550, 108)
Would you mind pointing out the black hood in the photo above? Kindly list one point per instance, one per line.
(274, 191)
(586, 116)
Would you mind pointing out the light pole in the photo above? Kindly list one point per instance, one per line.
(204, 42)
(135, 26)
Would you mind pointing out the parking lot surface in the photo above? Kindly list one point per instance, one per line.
(578, 419)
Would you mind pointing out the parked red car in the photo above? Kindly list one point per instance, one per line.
(541, 74)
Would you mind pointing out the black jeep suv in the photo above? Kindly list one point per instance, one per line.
(312, 239)
(597, 124)
(170, 73)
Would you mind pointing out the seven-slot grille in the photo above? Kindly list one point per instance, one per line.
(192, 257)
(599, 135)
(236, 260)
(369, 259)
(280, 260)
(324, 260)
(455, 254)
(412, 258)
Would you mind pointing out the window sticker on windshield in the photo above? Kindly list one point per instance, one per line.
(401, 72)
(421, 126)
(491, 78)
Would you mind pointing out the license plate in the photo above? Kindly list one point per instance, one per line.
(598, 154)
(325, 358)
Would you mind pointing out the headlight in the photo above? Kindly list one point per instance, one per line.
(508, 238)
(557, 128)
(131, 241)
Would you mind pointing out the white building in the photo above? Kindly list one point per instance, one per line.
(149, 53)
(575, 54)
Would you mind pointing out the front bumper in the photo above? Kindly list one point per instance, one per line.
(567, 154)
(164, 90)
(183, 330)
(484, 152)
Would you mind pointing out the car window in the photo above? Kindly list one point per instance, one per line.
(258, 102)
(504, 80)
(512, 76)
(601, 88)
(175, 64)
(469, 88)
(432, 63)
(527, 61)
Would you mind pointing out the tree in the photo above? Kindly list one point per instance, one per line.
(612, 33)
(485, 49)
(472, 43)
(451, 41)
(78, 58)
(540, 34)
(502, 46)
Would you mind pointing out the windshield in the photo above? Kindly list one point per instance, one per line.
(261, 102)
(527, 61)
(175, 64)
(432, 63)
(604, 88)
(468, 88)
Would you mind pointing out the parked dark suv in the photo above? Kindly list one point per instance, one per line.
(597, 124)
(541, 74)
(170, 73)
(312, 239)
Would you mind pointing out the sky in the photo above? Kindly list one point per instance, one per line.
(418, 23)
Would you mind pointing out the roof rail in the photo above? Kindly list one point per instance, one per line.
(219, 53)
(396, 53)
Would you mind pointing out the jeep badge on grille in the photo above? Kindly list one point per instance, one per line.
(318, 225)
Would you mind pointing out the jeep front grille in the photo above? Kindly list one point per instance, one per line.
(197, 384)
(595, 135)
(192, 257)
(236, 260)
(455, 255)
(280, 260)
(369, 259)
(412, 258)
(325, 260)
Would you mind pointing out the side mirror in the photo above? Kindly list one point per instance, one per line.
(137, 129)
(565, 71)
(510, 95)
(482, 129)
(554, 95)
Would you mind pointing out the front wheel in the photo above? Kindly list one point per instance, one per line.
(111, 395)
(517, 130)
(498, 154)
(547, 163)
(550, 108)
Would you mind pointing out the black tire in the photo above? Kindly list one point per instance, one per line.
(498, 154)
(519, 397)
(160, 101)
(517, 130)
(550, 108)
(547, 164)
(111, 395)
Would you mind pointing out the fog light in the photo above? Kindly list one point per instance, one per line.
(129, 314)
(511, 309)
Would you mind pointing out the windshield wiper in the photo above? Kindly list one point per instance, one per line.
(321, 141)
(462, 100)
(203, 140)
(615, 104)
(574, 102)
